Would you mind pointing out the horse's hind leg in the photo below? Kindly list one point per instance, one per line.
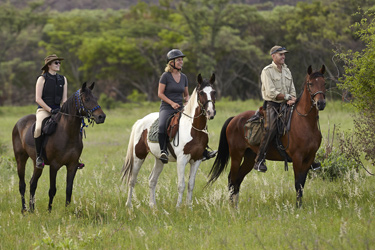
(133, 179)
(33, 185)
(153, 180)
(21, 163)
(238, 172)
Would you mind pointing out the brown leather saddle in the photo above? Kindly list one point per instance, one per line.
(173, 126)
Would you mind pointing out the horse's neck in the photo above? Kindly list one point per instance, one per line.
(71, 121)
(200, 120)
(306, 107)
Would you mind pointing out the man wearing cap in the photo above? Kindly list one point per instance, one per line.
(277, 88)
(50, 93)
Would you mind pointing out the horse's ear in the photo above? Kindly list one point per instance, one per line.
(323, 69)
(92, 85)
(83, 86)
(199, 79)
(212, 79)
(309, 70)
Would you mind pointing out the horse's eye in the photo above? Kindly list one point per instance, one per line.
(213, 92)
(87, 99)
(201, 92)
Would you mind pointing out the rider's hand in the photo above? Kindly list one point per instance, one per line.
(175, 105)
(55, 111)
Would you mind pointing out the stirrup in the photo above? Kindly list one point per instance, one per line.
(260, 166)
(39, 163)
(315, 166)
(81, 165)
(209, 155)
(164, 157)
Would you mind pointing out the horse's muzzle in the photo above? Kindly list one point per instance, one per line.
(99, 118)
(210, 114)
(321, 104)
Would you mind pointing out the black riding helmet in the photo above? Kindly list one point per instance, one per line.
(173, 54)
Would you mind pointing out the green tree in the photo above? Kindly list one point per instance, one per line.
(359, 79)
(19, 36)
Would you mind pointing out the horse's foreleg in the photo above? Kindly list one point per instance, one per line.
(300, 179)
(52, 186)
(71, 173)
(33, 185)
(153, 180)
(193, 172)
(133, 179)
(181, 180)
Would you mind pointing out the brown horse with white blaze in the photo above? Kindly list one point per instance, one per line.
(64, 147)
(301, 142)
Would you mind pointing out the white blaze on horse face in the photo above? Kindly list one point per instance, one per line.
(210, 106)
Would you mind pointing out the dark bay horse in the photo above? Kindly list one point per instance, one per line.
(64, 147)
(192, 139)
(301, 143)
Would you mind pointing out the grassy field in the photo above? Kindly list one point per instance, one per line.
(335, 215)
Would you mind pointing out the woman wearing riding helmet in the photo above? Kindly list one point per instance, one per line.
(173, 88)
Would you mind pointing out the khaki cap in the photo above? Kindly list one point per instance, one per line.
(278, 49)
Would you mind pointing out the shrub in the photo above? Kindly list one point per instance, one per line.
(338, 162)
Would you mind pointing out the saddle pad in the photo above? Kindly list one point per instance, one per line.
(153, 134)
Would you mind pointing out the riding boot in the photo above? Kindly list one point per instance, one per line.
(38, 147)
(163, 147)
(268, 134)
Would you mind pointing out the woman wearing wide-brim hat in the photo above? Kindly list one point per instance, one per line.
(50, 93)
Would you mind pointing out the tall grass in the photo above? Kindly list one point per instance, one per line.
(335, 215)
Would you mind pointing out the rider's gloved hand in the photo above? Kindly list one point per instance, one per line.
(55, 111)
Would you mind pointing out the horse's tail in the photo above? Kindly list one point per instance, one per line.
(127, 168)
(222, 157)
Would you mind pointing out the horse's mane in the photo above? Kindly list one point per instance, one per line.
(191, 104)
(69, 107)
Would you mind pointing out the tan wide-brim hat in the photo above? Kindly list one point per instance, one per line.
(49, 59)
(278, 49)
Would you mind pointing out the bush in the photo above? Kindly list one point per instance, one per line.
(107, 102)
(338, 162)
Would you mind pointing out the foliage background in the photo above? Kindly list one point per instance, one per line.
(122, 44)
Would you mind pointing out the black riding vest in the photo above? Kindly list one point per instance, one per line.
(53, 89)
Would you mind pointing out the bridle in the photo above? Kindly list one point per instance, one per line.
(312, 96)
(81, 108)
(202, 113)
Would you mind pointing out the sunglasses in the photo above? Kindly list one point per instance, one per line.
(57, 62)
(279, 49)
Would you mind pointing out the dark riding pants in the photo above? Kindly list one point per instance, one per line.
(270, 129)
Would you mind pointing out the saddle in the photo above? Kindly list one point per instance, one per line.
(172, 128)
(254, 128)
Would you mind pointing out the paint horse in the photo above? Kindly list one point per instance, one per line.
(301, 142)
(64, 147)
(192, 141)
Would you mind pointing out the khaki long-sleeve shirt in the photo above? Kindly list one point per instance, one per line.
(276, 82)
